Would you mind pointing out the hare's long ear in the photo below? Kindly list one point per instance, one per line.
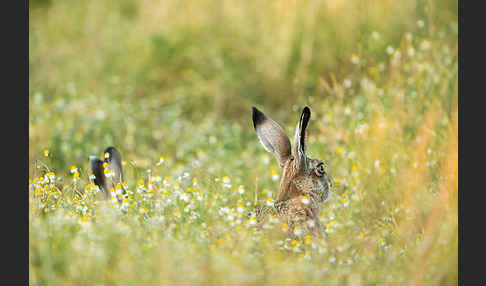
(113, 158)
(272, 136)
(300, 137)
(97, 170)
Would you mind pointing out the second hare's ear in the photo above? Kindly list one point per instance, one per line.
(113, 158)
(300, 136)
(97, 171)
(271, 136)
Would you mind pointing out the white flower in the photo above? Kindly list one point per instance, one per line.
(345, 202)
(273, 219)
(311, 223)
(389, 50)
(241, 189)
(297, 230)
(305, 200)
(332, 259)
(161, 160)
(267, 226)
(74, 169)
(275, 176)
(269, 202)
(109, 173)
(252, 221)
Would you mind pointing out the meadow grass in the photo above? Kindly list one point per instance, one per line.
(171, 85)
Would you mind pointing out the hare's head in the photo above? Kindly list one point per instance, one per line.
(300, 174)
(107, 177)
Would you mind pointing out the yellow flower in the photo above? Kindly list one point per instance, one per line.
(105, 165)
(307, 239)
(76, 175)
(46, 152)
(362, 234)
(339, 150)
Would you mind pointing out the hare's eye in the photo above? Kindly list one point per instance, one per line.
(320, 169)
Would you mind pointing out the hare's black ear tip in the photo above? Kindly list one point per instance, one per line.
(306, 113)
(110, 150)
(306, 110)
(254, 110)
(257, 116)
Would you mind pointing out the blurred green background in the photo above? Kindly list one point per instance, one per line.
(147, 76)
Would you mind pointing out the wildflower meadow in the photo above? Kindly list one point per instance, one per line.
(171, 85)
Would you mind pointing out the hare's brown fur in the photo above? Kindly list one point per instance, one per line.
(304, 185)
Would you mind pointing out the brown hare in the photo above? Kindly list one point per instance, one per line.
(304, 184)
(110, 176)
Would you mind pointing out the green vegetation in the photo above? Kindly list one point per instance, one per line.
(177, 79)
